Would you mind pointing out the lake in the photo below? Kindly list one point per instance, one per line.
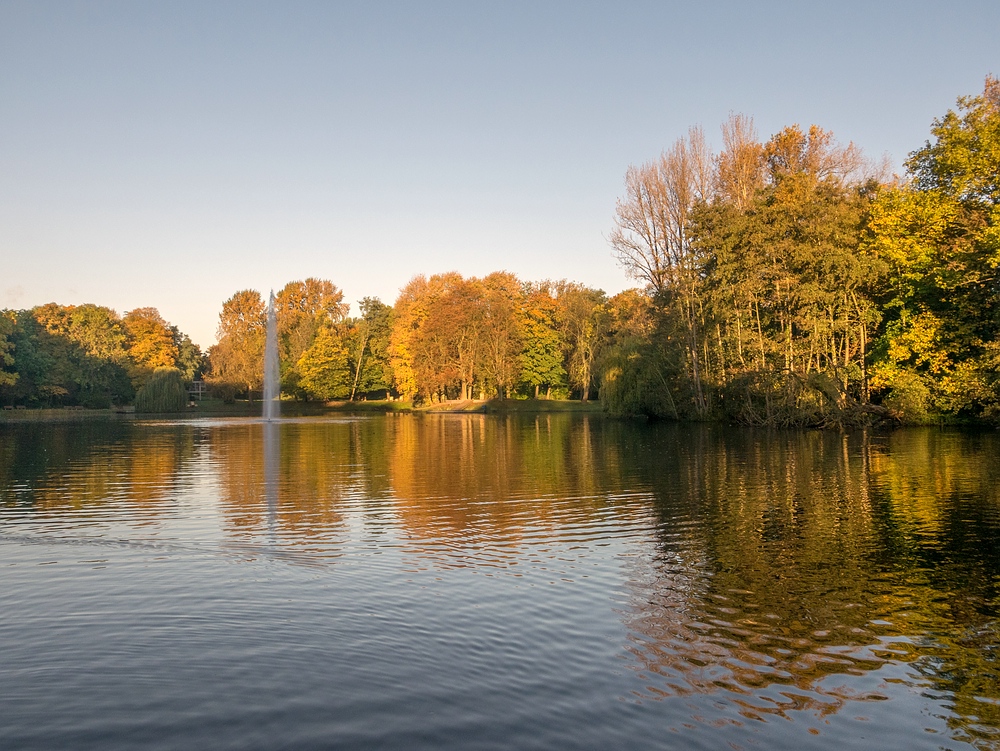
(487, 582)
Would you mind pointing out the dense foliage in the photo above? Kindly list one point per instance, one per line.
(163, 392)
(447, 337)
(87, 355)
(792, 284)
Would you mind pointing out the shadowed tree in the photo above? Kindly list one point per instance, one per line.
(369, 343)
(85, 345)
(190, 359)
(8, 322)
(582, 323)
(652, 237)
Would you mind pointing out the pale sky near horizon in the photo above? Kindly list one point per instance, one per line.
(170, 154)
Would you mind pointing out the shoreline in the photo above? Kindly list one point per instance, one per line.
(308, 409)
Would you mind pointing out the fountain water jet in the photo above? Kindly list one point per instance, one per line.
(272, 376)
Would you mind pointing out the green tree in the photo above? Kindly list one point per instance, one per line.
(939, 239)
(583, 323)
(637, 378)
(369, 348)
(85, 357)
(190, 359)
(542, 353)
(787, 320)
(303, 307)
(8, 322)
(163, 392)
(324, 368)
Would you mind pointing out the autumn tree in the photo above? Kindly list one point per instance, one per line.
(149, 342)
(238, 358)
(409, 313)
(435, 341)
(740, 165)
(501, 316)
(447, 344)
(302, 307)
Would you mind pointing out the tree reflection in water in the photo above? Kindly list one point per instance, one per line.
(790, 566)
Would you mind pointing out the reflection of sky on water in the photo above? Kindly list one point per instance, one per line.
(840, 582)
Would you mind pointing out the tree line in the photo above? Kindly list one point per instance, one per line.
(784, 282)
(447, 337)
(792, 282)
(88, 355)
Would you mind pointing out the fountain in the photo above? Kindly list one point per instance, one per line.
(272, 376)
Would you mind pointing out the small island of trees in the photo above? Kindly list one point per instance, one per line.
(789, 282)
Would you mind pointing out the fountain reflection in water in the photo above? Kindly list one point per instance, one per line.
(272, 411)
(272, 385)
(272, 462)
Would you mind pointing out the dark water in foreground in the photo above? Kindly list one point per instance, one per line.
(479, 582)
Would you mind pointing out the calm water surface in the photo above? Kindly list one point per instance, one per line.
(479, 582)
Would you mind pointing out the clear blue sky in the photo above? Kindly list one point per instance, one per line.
(170, 154)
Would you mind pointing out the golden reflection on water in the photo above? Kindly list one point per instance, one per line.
(819, 560)
(782, 571)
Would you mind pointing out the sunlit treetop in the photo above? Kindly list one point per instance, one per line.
(964, 159)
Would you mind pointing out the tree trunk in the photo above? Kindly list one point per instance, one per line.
(361, 359)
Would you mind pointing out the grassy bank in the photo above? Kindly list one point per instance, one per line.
(61, 415)
(217, 408)
(493, 406)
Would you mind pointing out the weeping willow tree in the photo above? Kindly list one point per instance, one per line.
(163, 392)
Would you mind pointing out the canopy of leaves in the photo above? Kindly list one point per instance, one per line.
(238, 358)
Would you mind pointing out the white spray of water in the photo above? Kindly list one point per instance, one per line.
(272, 377)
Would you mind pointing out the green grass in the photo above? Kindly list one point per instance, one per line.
(542, 405)
(218, 408)
(57, 414)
